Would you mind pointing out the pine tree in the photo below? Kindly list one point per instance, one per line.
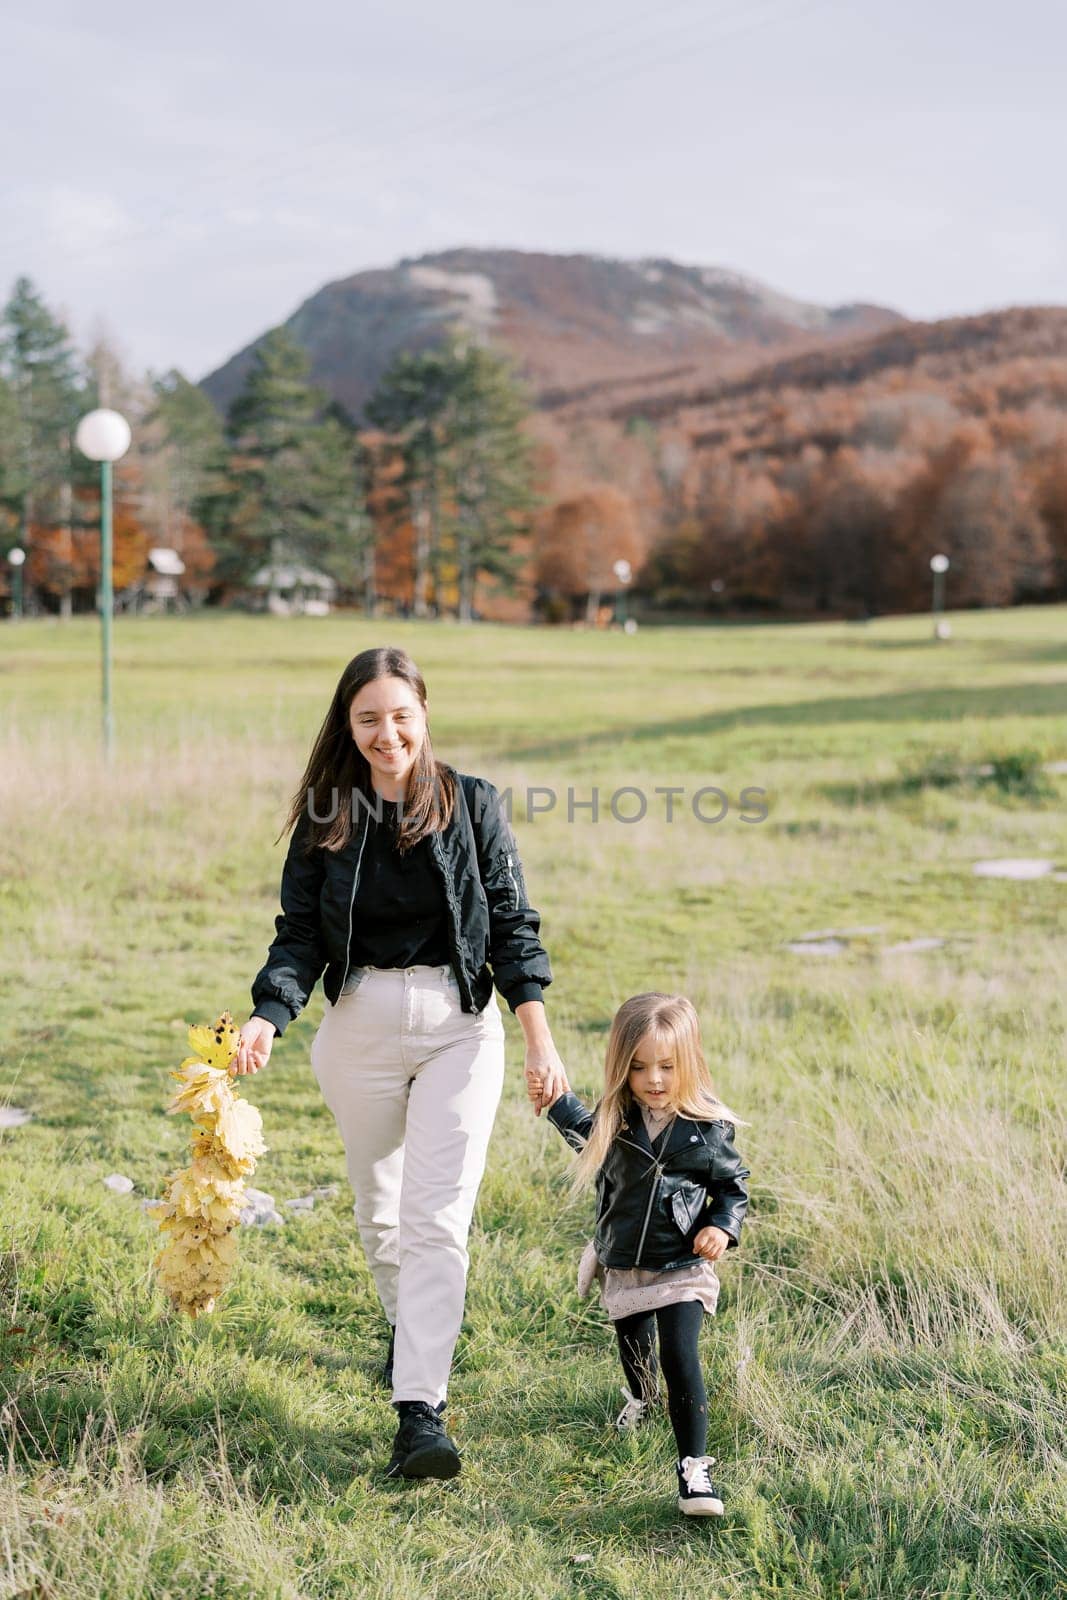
(491, 469)
(11, 466)
(458, 413)
(362, 534)
(411, 404)
(41, 367)
(184, 454)
(288, 489)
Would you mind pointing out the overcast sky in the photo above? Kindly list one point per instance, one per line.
(187, 175)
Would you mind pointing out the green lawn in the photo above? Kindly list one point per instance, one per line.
(888, 1367)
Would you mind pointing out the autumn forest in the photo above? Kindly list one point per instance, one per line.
(786, 481)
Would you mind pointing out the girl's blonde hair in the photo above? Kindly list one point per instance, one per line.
(673, 1023)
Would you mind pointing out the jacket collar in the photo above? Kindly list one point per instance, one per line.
(636, 1130)
(679, 1133)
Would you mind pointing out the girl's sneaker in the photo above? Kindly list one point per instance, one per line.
(632, 1414)
(697, 1495)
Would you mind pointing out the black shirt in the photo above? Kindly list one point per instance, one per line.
(399, 917)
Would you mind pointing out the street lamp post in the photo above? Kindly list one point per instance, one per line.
(939, 565)
(623, 572)
(16, 559)
(104, 436)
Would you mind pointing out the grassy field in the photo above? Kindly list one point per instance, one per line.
(889, 1365)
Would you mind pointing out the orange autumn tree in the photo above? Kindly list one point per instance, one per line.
(578, 540)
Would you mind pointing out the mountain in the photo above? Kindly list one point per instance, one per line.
(572, 323)
(983, 349)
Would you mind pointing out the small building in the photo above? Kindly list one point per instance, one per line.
(161, 586)
(288, 589)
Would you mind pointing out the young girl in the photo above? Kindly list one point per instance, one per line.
(671, 1197)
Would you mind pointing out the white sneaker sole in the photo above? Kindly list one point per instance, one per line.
(706, 1507)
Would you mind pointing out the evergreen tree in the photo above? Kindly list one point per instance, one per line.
(362, 535)
(411, 404)
(40, 365)
(288, 488)
(458, 415)
(11, 465)
(491, 469)
(184, 453)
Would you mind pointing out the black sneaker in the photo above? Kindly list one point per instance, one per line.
(387, 1369)
(422, 1448)
(697, 1495)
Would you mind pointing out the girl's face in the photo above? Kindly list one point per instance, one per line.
(389, 725)
(651, 1077)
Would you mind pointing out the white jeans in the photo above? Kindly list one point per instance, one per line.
(414, 1082)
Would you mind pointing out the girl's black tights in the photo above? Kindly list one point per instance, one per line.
(679, 1358)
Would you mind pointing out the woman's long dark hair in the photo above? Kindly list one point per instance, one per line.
(336, 766)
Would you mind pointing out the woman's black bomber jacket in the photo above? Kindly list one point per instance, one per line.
(651, 1207)
(493, 930)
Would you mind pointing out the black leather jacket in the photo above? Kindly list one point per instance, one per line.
(649, 1208)
(493, 931)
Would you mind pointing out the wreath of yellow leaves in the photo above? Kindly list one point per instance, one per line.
(201, 1205)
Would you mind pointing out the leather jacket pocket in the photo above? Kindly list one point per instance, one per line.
(687, 1202)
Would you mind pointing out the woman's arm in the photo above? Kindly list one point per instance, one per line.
(546, 1076)
(519, 960)
(296, 958)
(521, 968)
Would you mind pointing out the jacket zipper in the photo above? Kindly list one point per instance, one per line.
(437, 852)
(351, 903)
(648, 1213)
(514, 885)
(659, 1168)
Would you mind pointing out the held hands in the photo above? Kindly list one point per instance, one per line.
(711, 1243)
(253, 1051)
(546, 1077)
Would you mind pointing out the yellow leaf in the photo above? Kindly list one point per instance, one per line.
(239, 1129)
(201, 1205)
(216, 1043)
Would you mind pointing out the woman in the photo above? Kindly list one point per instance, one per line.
(403, 886)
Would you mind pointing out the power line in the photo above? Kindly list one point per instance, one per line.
(776, 13)
(630, 57)
(339, 142)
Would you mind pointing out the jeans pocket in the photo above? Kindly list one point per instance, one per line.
(490, 1021)
(313, 1054)
(352, 982)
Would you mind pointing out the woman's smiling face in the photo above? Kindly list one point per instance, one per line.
(388, 722)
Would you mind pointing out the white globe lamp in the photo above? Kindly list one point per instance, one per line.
(15, 557)
(623, 573)
(104, 436)
(939, 565)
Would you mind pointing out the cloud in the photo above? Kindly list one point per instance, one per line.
(1029, 250)
(84, 221)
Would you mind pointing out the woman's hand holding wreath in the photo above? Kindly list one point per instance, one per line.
(254, 1046)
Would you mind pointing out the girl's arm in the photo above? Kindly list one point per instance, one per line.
(573, 1119)
(728, 1196)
